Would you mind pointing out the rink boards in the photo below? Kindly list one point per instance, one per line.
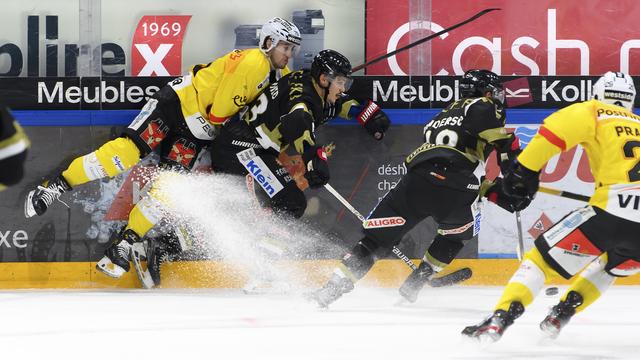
(218, 274)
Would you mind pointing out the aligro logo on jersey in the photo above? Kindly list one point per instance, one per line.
(384, 222)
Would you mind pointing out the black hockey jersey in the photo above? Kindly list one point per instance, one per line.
(286, 113)
(462, 135)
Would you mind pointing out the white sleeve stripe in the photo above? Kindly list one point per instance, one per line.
(13, 149)
(468, 106)
(299, 106)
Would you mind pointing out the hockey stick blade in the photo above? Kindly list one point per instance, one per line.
(453, 278)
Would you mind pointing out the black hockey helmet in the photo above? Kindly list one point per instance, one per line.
(477, 82)
(332, 64)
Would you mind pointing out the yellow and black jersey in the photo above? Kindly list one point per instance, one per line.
(286, 113)
(460, 133)
(13, 149)
(218, 90)
(610, 136)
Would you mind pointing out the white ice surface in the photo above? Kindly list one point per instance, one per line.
(365, 324)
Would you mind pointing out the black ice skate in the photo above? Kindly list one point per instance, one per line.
(115, 261)
(560, 314)
(158, 255)
(331, 291)
(39, 200)
(416, 281)
(491, 329)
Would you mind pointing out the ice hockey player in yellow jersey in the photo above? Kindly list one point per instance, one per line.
(179, 120)
(596, 243)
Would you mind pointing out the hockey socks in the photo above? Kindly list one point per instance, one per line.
(592, 282)
(111, 159)
(527, 281)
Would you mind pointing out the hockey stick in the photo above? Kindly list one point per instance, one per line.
(445, 280)
(425, 39)
(520, 247)
(565, 194)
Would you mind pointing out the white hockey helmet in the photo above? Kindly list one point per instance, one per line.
(278, 29)
(615, 88)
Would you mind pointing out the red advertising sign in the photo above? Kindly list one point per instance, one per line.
(550, 37)
(156, 49)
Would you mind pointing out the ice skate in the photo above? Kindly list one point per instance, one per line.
(416, 281)
(331, 291)
(39, 200)
(491, 329)
(115, 261)
(560, 315)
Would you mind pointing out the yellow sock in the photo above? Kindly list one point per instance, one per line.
(527, 281)
(109, 160)
(592, 282)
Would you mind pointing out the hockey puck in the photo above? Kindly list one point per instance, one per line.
(551, 291)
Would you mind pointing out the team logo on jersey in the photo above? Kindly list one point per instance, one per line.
(384, 222)
(240, 100)
(155, 132)
(118, 163)
(183, 153)
(260, 172)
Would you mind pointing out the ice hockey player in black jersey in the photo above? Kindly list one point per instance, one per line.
(443, 181)
(287, 114)
(13, 149)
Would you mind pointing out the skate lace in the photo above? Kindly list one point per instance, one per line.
(124, 249)
(163, 258)
(49, 194)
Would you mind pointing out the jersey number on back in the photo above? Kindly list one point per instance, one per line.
(629, 146)
(442, 137)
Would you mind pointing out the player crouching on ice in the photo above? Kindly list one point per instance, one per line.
(598, 242)
(441, 182)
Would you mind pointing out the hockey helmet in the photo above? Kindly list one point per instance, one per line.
(615, 88)
(278, 29)
(477, 82)
(333, 64)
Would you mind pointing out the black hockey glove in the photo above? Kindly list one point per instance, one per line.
(374, 120)
(521, 182)
(496, 195)
(315, 160)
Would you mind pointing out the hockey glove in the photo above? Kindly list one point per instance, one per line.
(374, 120)
(315, 160)
(507, 152)
(521, 182)
(496, 195)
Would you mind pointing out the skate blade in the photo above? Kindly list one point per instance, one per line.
(138, 254)
(549, 332)
(408, 299)
(110, 269)
(29, 211)
(312, 297)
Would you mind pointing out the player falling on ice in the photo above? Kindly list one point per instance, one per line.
(598, 242)
(442, 182)
(178, 121)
